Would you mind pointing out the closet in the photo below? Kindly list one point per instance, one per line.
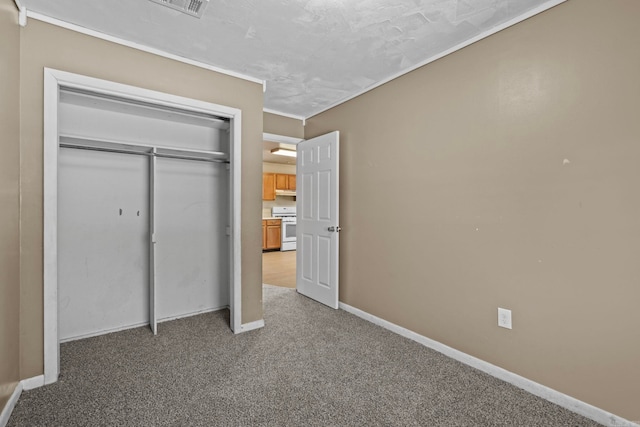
(144, 208)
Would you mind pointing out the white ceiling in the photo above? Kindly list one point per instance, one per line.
(312, 53)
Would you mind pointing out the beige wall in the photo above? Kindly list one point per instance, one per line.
(280, 125)
(9, 199)
(278, 168)
(456, 199)
(44, 45)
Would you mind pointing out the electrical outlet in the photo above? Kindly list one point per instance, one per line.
(504, 318)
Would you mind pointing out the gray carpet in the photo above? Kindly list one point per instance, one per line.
(310, 366)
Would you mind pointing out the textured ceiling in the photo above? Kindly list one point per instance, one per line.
(311, 53)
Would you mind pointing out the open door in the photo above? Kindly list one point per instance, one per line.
(317, 219)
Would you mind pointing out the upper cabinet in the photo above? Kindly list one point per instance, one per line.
(285, 182)
(268, 186)
(282, 181)
(277, 181)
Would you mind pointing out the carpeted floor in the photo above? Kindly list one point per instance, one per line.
(310, 366)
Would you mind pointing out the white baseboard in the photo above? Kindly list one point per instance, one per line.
(193, 313)
(11, 403)
(102, 332)
(560, 399)
(246, 327)
(33, 382)
(139, 325)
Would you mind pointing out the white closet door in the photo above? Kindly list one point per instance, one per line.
(192, 248)
(102, 242)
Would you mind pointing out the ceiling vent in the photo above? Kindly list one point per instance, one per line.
(190, 7)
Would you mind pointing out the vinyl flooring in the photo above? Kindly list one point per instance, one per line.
(279, 268)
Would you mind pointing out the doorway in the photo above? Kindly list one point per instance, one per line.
(56, 84)
(278, 210)
(317, 218)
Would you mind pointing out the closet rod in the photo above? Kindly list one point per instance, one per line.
(142, 153)
(198, 159)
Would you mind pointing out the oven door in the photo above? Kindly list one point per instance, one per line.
(288, 232)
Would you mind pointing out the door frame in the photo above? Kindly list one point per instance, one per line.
(282, 139)
(272, 137)
(54, 80)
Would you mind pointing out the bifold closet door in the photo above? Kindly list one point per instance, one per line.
(192, 248)
(103, 204)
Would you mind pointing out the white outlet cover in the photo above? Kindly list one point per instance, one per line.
(504, 318)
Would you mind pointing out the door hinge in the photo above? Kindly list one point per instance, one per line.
(228, 231)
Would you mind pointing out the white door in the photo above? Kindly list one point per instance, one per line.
(102, 243)
(317, 217)
(192, 248)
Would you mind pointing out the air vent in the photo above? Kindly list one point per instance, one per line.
(190, 7)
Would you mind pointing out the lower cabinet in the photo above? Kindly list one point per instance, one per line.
(271, 233)
(264, 234)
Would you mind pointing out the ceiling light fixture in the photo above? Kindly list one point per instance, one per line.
(284, 152)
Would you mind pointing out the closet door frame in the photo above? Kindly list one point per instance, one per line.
(54, 81)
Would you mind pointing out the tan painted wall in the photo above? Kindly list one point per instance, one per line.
(456, 199)
(281, 125)
(278, 168)
(9, 199)
(44, 45)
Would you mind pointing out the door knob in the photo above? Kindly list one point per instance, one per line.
(336, 229)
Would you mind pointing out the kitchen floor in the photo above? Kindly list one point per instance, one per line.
(279, 268)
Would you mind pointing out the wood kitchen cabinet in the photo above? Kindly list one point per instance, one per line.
(268, 186)
(282, 181)
(264, 234)
(276, 181)
(285, 181)
(271, 233)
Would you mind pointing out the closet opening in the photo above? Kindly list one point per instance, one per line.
(142, 209)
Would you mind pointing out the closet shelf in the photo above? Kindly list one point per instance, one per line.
(87, 99)
(75, 141)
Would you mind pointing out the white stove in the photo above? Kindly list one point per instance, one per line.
(288, 217)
